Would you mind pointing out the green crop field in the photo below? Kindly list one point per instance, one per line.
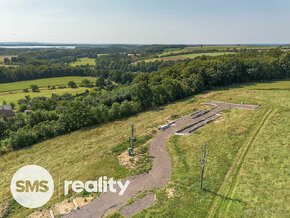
(84, 61)
(56, 81)
(246, 175)
(182, 57)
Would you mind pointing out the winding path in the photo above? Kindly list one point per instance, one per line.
(158, 176)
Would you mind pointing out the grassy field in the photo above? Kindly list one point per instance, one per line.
(182, 57)
(205, 47)
(84, 61)
(247, 173)
(12, 92)
(14, 96)
(56, 81)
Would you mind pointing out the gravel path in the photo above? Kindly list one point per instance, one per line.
(158, 176)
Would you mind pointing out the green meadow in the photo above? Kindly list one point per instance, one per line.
(84, 61)
(56, 81)
(191, 56)
(12, 92)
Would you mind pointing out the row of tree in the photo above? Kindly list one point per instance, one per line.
(147, 90)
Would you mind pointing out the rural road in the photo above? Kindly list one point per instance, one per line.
(158, 176)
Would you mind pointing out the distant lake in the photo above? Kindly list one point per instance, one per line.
(38, 46)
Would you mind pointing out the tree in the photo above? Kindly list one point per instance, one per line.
(195, 83)
(6, 61)
(76, 115)
(160, 96)
(86, 82)
(142, 94)
(22, 108)
(114, 112)
(72, 84)
(100, 81)
(126, 108)
(12, 105)
(34, 88)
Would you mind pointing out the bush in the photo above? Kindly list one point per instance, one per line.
(22, 108)
(34, 88)
(24, 137)
(25, 90)
(72, 84)
(12, 105)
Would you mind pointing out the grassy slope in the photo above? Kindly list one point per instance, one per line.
(247, 173)
(56, 81)
(82, 155)
(84, 61)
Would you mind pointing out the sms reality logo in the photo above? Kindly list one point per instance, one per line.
(32, 186)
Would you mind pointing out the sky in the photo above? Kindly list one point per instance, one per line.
(145, 21)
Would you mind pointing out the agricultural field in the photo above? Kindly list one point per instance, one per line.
(12, 92)
(208, 47)
(14, 96)
(56, 81)
(84, 61)
(245, 175)
(2, 57)
(183, 57)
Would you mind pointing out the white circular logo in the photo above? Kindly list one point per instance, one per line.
(32, 186)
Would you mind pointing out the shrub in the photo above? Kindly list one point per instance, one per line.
(72, 84)
(34, 88)
(22, 108)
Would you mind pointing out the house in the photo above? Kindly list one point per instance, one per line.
(6, 110)
(133, 55)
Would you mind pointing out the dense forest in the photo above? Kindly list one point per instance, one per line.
(136, 91)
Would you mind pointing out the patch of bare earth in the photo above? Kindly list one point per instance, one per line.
(40, 214)
(4, 210)
(220, 120)
(62, 208)
(209, 95)
(128, 161)
(67, 205)
(171, 118)
(170, 192)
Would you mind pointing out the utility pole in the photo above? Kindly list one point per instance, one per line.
(132, 139)
(203, 164)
